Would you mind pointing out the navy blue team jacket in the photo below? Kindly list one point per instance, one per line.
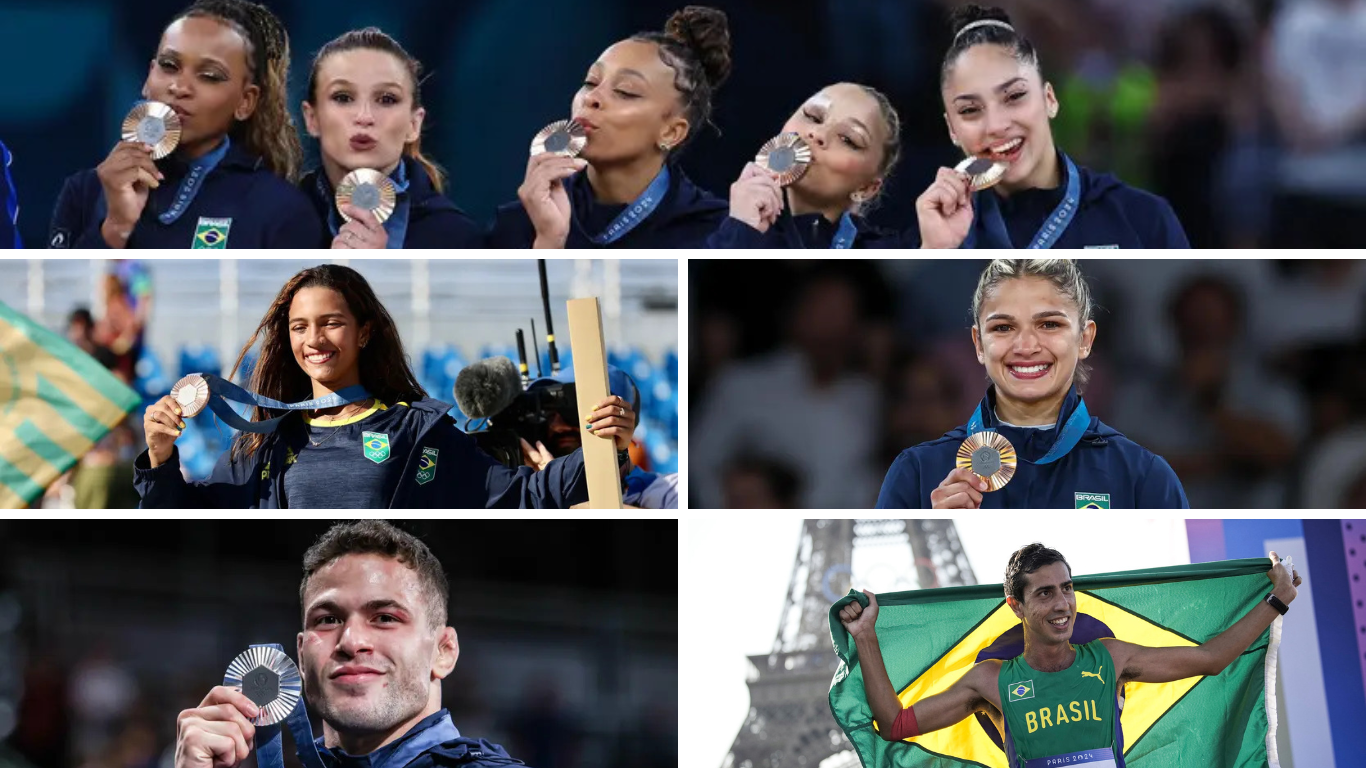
(686, 217)
(9, 203)
(810, 230)
(1105, 468)
(433, 743)
(433, 220)
(242, 204)
(466, 477)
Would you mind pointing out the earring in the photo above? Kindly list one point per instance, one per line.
(856, 197)
(663, 147)
(955, 142)
(1052, 112)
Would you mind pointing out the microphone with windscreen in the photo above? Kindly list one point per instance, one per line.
(487, 387)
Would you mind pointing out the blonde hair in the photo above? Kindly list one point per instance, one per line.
(1065, 276)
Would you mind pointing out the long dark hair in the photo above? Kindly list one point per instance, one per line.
(990, 32)
(373, 39)
(269, 133)
(384, 368)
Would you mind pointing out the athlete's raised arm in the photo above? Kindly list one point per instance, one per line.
(1142, 664)
(928, 714)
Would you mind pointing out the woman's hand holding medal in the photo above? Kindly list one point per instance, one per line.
(128, 176)
(945, 210)
(362, 231)
(961, 489)
(162, 423)
(756, 198)
(544, 197)
(218, 733)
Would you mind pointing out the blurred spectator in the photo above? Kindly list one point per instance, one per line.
(754, 483)
(101, 692)
(544, 733)
(1199, 60)
(922, 405)
(120, 329)
(1225, 423)
(1317, 85)
(806, 404)
(80, 330)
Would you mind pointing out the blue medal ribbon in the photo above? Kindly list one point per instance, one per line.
(637, 212)
(1068, 437)
(221, 389)
(396, 226)
(844, 236)
(200, 168)
(269, 749)
(12, 198)
(995, 234)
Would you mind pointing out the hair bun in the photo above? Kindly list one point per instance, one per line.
(707, 32)
(964, 15)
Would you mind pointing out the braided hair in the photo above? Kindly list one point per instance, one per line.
(269, 133)
(695, 44)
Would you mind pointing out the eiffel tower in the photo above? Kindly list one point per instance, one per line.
(789, 723)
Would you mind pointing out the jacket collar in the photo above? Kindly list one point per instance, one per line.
(430, 732)
(1069, 404)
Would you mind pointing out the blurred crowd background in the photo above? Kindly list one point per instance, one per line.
(807, 378)
(1248, 115)
(568, 634)
(151, 322)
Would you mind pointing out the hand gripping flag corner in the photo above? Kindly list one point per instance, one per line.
(56, 402)
(930, 638)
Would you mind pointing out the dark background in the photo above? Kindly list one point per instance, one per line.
(1174, 96)
(568, 633)
(808, 377)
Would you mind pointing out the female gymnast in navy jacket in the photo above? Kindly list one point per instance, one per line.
(222, 66)
(1032, 330)
(998, 106)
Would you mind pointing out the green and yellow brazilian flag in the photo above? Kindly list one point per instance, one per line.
(56, 402)
(932, 637)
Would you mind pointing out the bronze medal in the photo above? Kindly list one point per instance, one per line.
(191, 393)
(981, 172)
(990, 456)
(368, 190)
(154, 124)
(563, 137)
(786, 155)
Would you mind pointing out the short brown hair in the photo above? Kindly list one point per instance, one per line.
(377, 537)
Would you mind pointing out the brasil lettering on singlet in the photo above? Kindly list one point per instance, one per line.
(1062, 718)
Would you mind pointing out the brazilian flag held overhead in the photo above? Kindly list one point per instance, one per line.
(56, 402)
(932, 637)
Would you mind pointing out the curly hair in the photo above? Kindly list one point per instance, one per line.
(384, 368)
(1026, 560)
(269, 133)
(374, 39)
(695, 44)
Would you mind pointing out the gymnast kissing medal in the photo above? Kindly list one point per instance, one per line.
(990, 456)
(191, 394)
(368, 190)
(269, 678)
(563, 137)
(786, 155)
(154, 124)
(981, 172)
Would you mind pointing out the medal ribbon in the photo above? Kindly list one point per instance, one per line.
(1068, 438)
(997, 236)
(194, 181)
(221, 389)
(637, 211)
(11, 201)
(396, 226)
(844, 236)
(269, 750)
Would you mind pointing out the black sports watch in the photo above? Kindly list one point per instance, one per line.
(1275, 602)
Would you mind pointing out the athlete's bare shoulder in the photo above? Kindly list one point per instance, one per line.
(984, 677)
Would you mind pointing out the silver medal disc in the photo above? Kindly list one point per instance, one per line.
(986, 461)
(366, 196)
(269, 678)
(151, 130)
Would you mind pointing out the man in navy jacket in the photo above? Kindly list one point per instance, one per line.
(372, 654)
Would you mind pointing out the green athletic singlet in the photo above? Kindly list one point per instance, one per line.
(1062, 718)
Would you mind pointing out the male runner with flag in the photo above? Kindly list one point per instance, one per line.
(1057, 703)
